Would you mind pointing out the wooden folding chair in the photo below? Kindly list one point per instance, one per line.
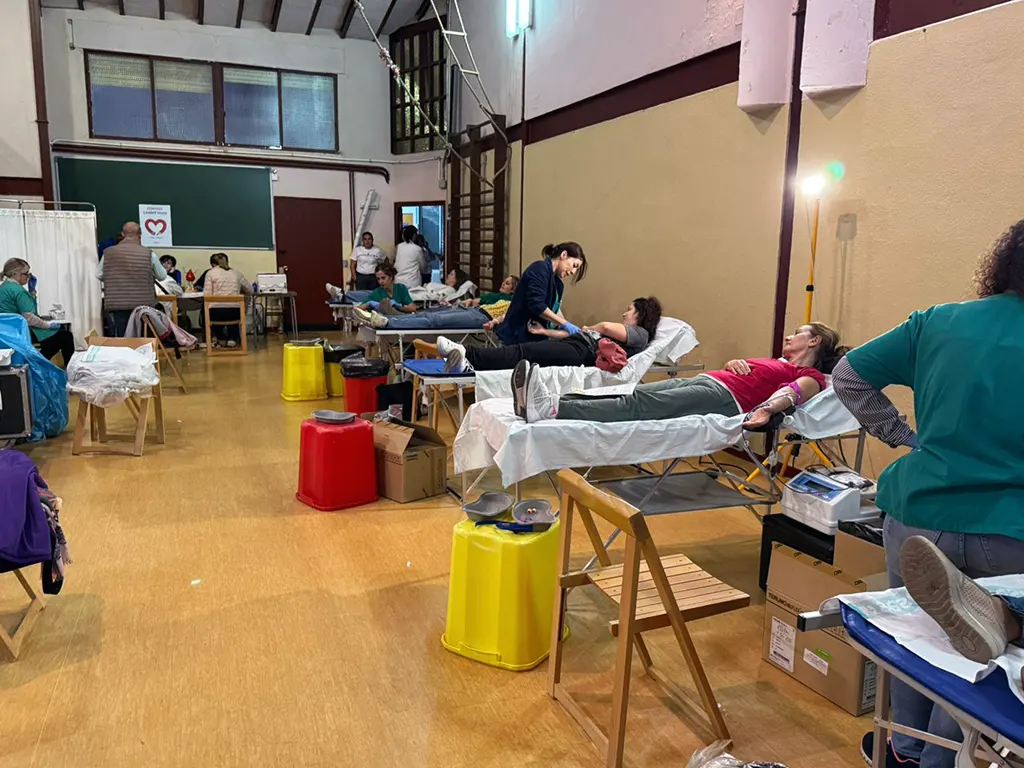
(651, 593)
(163, 354)
(12, 642)
(237, 299)
(138, 405)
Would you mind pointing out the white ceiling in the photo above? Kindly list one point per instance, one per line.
(293, 16)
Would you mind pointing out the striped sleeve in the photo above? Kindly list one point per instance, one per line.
(871, 407)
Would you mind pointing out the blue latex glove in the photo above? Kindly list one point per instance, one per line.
(572, 329)
(373, 304)
(54, 325)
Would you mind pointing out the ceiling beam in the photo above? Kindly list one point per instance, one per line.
(346, 20)
(238, 16)
(276, 15)
(201, 12)
(163, 9)
(387, 15)
(422, 10)
(312, 17)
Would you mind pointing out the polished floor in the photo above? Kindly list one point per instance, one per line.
(210, 619)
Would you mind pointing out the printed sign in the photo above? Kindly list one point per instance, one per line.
(155, 222)
(783, 644)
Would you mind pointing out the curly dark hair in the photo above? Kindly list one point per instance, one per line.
(648, 315)
(1001, 270)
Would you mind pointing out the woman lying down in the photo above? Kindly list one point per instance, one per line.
(633, 334)
(757, 387)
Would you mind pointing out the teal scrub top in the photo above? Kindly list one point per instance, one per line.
(15, 300)
(400, 295)
(965, 363)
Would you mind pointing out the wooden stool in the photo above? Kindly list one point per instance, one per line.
(226, 302)
(163, 355)
(12, 643)
(138, 405)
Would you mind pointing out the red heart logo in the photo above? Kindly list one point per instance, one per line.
(156, 226)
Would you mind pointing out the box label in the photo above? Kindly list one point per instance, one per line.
(868, 692)
(814, 660)
(783, 644)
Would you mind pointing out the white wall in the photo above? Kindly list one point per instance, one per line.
(19, 141)
(363, 96)
(579, 48)
(363, 90)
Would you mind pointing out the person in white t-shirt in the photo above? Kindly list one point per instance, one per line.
(410, 260)
(364, 262)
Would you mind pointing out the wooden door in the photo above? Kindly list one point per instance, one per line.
(309, 242)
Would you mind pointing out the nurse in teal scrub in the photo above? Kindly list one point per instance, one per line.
(962, 484)
(16, 300)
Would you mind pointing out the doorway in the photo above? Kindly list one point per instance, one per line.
(309, 243)
(428, 218)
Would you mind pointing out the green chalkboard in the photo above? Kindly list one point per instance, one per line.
(212, 206)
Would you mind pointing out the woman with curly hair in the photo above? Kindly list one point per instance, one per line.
(962, 485)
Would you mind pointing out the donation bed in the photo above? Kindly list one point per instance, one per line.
(987, 702)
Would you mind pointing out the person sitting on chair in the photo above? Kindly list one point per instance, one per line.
(390, 297)
(16, 300)
(222, 280)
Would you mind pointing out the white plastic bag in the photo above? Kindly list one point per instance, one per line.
(715, 756)
(106, 376)
(5, 357)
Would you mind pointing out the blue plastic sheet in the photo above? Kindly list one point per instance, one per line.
(48, 384)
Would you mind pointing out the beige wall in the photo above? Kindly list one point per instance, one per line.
(931, 148)
(681, 201)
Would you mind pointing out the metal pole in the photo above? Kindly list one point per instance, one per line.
(814, 253)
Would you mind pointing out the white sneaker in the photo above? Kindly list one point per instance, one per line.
(541, 404)
(454, 355)
(335, 292)
(377, 320)
(364, 315)
(232, 344)
(446, 345)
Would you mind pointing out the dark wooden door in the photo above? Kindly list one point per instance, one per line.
(309, 242)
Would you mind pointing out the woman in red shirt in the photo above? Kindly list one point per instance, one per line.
(756, 387)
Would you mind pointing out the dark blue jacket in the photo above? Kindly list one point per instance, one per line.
(539, 289)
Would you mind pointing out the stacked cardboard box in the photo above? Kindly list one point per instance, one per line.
(822, 660)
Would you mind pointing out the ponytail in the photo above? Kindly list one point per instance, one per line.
(574, 251)
(648, 315)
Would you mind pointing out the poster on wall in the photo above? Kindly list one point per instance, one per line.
(155, 221)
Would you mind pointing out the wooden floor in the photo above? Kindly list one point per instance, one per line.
(210, 619)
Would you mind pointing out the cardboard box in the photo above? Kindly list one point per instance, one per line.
(412, 461)
(822, 660)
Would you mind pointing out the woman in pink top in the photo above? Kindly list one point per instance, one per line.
(756, 387)
(222, 280)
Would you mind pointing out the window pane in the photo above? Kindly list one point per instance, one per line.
(251, 114)
(122, 105)
(308, 105)
(184, 101)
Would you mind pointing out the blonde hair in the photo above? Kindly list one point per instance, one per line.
(829, 352)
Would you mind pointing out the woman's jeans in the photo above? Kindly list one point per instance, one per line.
(445, 318)
(977, 556)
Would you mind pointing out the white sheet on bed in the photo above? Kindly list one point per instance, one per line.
(441, 292)
(673, 340)
(491, 435)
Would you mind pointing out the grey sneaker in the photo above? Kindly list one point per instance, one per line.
(377, 320)
(520, 381)
(971, 618)
(365, 315)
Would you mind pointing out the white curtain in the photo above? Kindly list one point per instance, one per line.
(12, 235)
(61, 247)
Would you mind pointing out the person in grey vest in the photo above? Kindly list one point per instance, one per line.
(127, 271)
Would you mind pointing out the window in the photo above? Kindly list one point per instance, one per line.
(419, 52)
(137, 97)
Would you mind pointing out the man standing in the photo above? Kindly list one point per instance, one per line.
(128, 270)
